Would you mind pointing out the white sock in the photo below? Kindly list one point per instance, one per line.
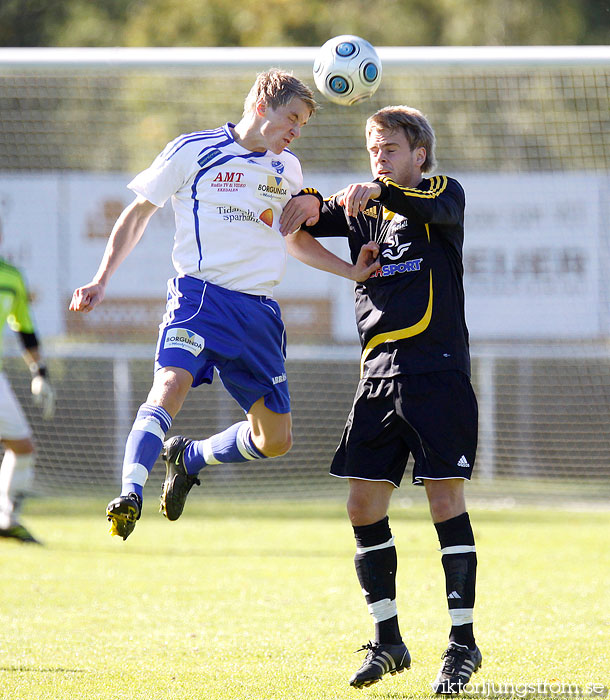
(16, 476)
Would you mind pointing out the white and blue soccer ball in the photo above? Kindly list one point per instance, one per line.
(347, 69)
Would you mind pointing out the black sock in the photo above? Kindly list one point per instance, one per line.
(376, 563)
(459, 561)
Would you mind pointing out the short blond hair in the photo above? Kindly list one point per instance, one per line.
(415, 126)
(277, 87)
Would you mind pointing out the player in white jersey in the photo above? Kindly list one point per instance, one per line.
(222, 193)
(228, 187)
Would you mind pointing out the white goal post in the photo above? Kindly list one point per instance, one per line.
(128, 58)
(525, 129)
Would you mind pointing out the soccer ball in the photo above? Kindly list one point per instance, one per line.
(347, 69)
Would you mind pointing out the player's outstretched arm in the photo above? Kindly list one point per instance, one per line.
(126, 233)
(304, 247)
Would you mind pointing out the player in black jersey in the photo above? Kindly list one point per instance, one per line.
(414, 396)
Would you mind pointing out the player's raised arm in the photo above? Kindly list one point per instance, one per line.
(126, 233)
(442, 204)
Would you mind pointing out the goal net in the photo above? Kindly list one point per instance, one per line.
(527, 131)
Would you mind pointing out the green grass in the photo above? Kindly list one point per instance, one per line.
(260, 600)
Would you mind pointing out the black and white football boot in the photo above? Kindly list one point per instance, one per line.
(459, 663)
(380, 659)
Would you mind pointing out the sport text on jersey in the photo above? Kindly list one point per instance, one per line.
(395, 251)
(398, 268)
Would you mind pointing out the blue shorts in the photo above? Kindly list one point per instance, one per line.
(241, 335)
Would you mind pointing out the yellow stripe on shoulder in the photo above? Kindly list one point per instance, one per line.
(438, 184)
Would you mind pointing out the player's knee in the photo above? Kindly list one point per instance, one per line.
(360, 510)
(169, 389)
(279, 446)
(444, 506)
(276, 445)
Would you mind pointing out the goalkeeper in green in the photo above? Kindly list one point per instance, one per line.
(17, 467)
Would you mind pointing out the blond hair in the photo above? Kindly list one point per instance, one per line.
(413, 123)
(277, 87)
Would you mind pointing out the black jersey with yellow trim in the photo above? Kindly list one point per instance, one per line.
(410, 313)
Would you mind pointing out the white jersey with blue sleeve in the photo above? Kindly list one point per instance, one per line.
(227, 203)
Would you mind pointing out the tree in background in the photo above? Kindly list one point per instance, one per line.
(302, 23)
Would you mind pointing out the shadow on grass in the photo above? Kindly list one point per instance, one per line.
(31, 669)
(403, 508)
(199, 507)
(191, 546)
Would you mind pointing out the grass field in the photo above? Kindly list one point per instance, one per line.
(260, 600)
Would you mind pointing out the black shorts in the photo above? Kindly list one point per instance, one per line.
(432, 416)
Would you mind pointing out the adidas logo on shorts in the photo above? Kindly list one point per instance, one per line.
(463, 462)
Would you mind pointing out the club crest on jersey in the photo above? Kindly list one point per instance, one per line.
(394, 250)
(184, 339)
(398, 253)
(273, 189)
(278, 166)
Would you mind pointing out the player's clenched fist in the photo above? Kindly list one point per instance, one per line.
(368, 261)
(87, 298)
(303, 209)
(355, 198)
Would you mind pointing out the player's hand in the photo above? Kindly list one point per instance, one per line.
(355, 198)
(367, 263)
(304, 209)
(87, 298)
(44, 396)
